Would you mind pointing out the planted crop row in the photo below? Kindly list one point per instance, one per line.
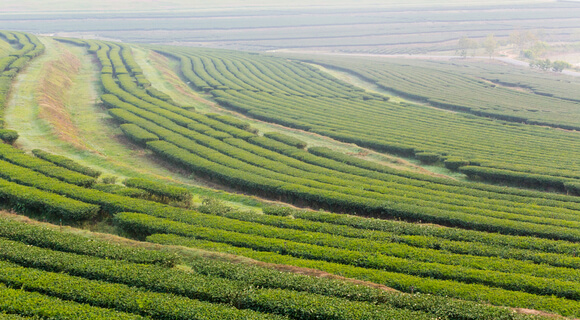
(26, 198)
(334, 200)
(66, 163)
(268, 278)
(34, 304)
(117, 296)
(444, 85)
(397, 233)
(403, 282)
(10, 154)
(27, 47)
(223, 160)
(158, 189)
(336, 117)
(375, 246)
(510, 281)
(296, 305)
(68, 242)
(453, 234)
(155, 119)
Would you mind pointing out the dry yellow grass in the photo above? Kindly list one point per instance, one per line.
(53, 89)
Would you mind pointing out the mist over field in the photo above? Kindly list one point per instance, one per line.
(386, 27)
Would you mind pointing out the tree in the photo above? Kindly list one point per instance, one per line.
(521, 39)
(543, 65)
(490, 44)
(465, 44)
(559, 66)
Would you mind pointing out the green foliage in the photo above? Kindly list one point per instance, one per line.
(109, 179)
(137, 134)
(122, 190)
(30, 199)
(286, 139)
(214, 206)
(66, 163)
(35, 304)
(399, 281)
(455, 163)
(170, 193)
(45, 167)
(427, 157)
(559, 66)
(352, 252)
(119, 297)
(67, 242)
(8, 136)
(298, 305)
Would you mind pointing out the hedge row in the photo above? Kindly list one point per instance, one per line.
(66, 163)
(296, 305)
(232, 121)
(453, 234)
(8, 136)
(160, 189)
(268, 278)
(118, 296)
(31, 304)
(140, 223)
(403, 282)
(26, 198)
(138, 135)
(46, 168)
(353, 203)
(291, 141)
(69, 242)
(520, 178)
(122, 191)
(465, 186)
(404, 234)
(372, 246)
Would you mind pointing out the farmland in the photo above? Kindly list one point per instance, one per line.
(391, 243)
(417, 26)
(481, 146)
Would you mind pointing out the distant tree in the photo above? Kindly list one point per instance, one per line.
(521, 39)
(559, 66)
(539, 48)
(543, 65)
(465, 44)
(490, 45)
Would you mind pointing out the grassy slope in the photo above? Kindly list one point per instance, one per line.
(103, 144)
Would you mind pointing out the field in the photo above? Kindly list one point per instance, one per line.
(369, 26)
(150, 127)
(491, 149)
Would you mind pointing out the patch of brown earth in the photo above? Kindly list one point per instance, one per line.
(53, 90)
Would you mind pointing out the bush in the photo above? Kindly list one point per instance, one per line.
(109, 179)
(427, 157)
(8, 136)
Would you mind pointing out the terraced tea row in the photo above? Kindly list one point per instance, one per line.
(54, 240)
(47, 275)
(220, 148)
(546, 156)
(25, 47)
(444, 85)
